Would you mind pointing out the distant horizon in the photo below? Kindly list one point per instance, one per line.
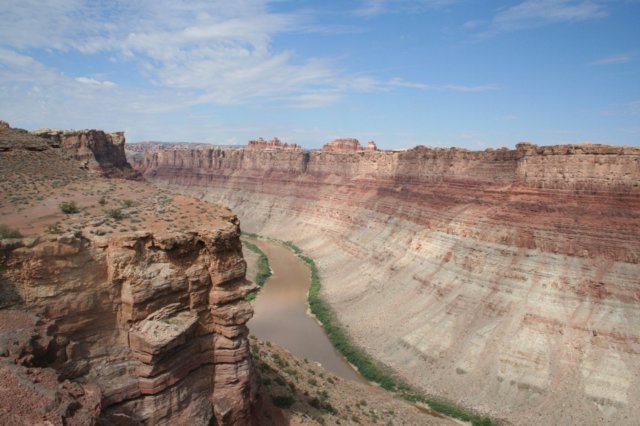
(381, 147)
(437, 73)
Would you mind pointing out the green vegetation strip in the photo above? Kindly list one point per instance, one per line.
(263, 270)
(367, 366)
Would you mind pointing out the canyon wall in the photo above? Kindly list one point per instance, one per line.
(504, 280)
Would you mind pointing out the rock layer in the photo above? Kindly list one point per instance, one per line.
(136, 316)
(506, 280)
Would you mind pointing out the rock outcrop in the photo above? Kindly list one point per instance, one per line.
(156, 321)
(274, 143)
(93, 149)
(348, 145)
(506, 280)
(130, 311)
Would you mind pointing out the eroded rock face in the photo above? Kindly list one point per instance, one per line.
(29, 393)
(93, 149)
(140, 317)
(506, 280)
(347, 145)
(274, 143)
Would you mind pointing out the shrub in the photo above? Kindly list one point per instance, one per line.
(54, 228)
(102, 201)
(292, 246)
(283, 401)
(68, 207)
(126, 203)
(318, 418)
(6, 232)
(282, 363)
(114, 213)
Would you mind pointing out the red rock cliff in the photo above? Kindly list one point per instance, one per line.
(506, 280)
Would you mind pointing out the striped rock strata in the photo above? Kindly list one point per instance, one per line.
(155, 321)
(505, 280)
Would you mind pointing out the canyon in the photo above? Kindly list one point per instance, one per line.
(503, 280)
(119, 303)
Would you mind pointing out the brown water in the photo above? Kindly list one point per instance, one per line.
(281, 313)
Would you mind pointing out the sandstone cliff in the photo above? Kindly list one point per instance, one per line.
(93, 149)
(504, 279)
(135, 301)
(348, 145)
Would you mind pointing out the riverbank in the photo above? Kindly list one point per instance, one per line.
(280, 312)
(262, 268)
(367, 366)
(297, 391)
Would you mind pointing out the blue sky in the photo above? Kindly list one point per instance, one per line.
(464, 73)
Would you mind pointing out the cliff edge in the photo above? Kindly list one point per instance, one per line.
(119, 302)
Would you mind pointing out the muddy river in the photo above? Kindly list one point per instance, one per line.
(281, 313)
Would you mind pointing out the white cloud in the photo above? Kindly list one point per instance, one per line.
(36, 96)
(398, 82)
(536, 13)
(619, 58)
(94, 82)
(377, 7)
(470, 89)
(183, 54)
(472, 24)
(219, 49)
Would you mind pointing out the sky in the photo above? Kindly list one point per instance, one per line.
(466, 73)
